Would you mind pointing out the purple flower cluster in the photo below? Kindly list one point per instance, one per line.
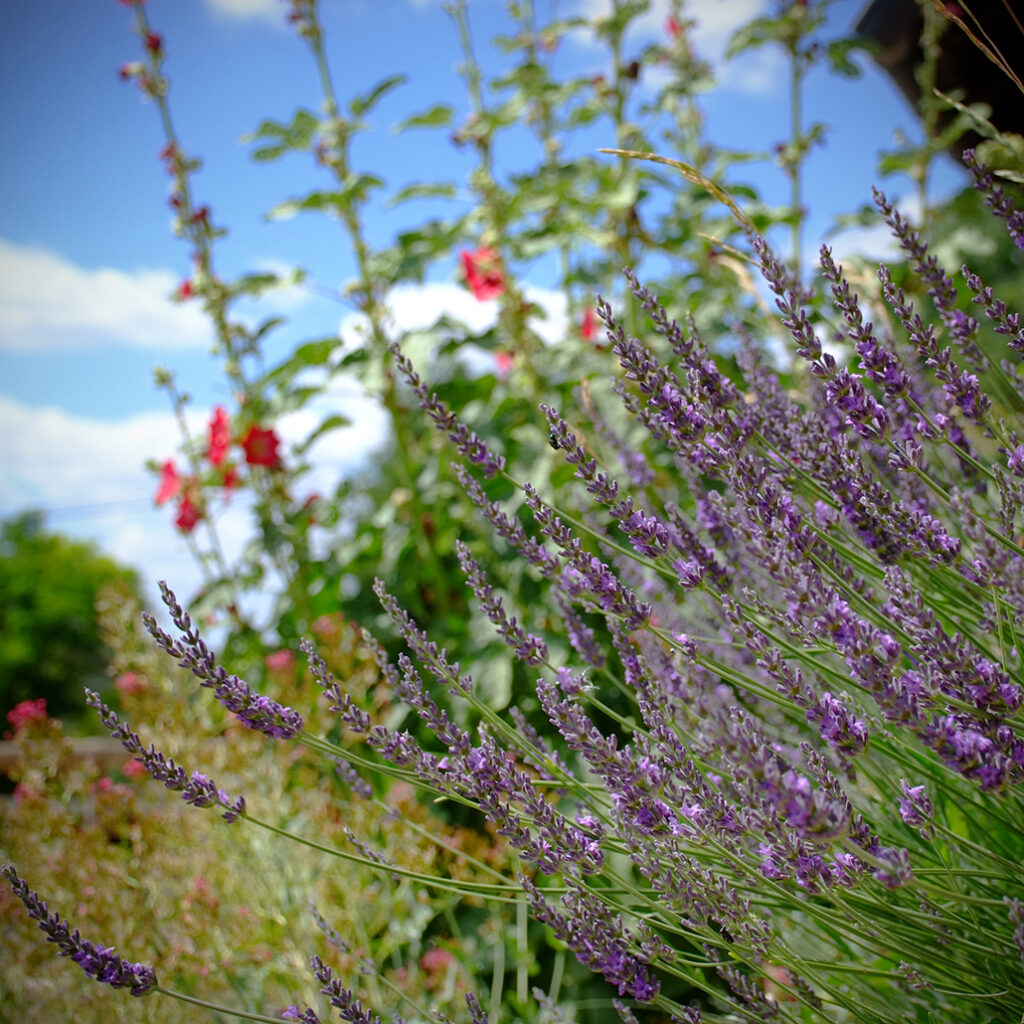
(196, 789)
(530, 649)
(598, 938)
(99, 962)
(253, 710)
(469, 444)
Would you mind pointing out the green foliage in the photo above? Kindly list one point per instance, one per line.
(50, 645)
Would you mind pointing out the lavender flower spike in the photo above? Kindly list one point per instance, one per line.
(196, 789)
(468, 443)
(252, 709)
(99, 962)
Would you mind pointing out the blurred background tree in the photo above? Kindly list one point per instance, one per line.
(50, 645)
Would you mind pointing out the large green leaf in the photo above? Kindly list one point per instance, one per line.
(363, 104)
(281, 138)
(437, 116)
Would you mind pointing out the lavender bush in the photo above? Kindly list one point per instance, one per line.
(807, 606)
(766, 761)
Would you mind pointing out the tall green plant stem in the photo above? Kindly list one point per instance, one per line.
(372, 304)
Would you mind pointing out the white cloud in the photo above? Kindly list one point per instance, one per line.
(271, 11)
(758, 71)
(90, 476)
(875, 243)
(49, 304)
(417, 307)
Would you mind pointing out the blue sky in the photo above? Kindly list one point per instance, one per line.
(87, 259)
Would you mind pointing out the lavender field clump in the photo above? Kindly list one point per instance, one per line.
(782, 762)
(666, 673)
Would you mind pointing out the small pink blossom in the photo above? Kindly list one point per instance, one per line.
(129, 683)
(170, 483)
(504, 362)
(280, 661)
(219, 436)
(27, 711)
(436, 959)
(588, 325)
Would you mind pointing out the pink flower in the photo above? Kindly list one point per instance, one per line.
(280, 661)
(672, 26)
(483, 273)
(261, 448)
(503, 360)
(184, 291)
(189, 514)
(128, 683)
(220, 436)
(133, 769)
(27, 711)
(170, 483)
(589, 324)
(436, 959)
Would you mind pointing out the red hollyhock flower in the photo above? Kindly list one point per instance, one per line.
(261, 448)
(672, 26)
(184, 291)
(503, 361)
(220, 436)
(189, 514)
(483, 273)
(230, 479)
(153, 42)
(170, 483)
(589, 324)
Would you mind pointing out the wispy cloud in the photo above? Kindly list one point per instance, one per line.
(48, 304)
(755, 72)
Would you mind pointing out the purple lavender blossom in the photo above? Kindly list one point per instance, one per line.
(916, 808)
(597, 937)
(996, 198)
(196, 789)
(1016, 914)
(473, 449)
(306, 1016)
(99, 962)
(529, 649)
(253, 710)
(477, 1014)
(342, 999)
